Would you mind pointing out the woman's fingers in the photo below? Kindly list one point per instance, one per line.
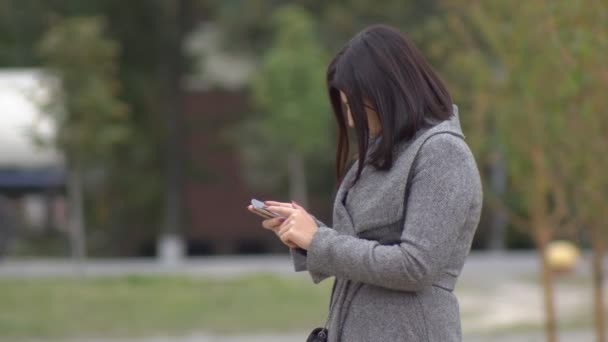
(281, 233)
(273, 223)
(297, 206)
(281, 210)
(285, 238)
(282, 226)
(290, 236)
(279, 204)
(288, 224)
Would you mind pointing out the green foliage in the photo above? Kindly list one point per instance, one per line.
(289, 95)
(289, 88)
(246, 22)
(535, 77)
(92, 120)
(582, 41)
(517, 86)
(136, 32)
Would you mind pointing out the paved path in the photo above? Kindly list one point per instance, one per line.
(498, 265)
(224, 266)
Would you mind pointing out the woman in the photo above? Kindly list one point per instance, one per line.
(405, 212)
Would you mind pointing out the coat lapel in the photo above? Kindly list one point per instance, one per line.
(378, 197)
(342, 220)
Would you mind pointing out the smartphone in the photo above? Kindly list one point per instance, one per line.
(260, 207)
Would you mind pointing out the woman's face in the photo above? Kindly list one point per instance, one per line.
(372, 116)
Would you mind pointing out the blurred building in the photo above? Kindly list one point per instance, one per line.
(216, 193)
(32, 175)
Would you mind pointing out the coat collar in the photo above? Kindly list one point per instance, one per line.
(378, 196)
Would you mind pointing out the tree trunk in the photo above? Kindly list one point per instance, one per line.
(548, 292)
(297, 179)
(542, 238)
(543, 232)
(76, 217)
(171, 244)
(597, 244)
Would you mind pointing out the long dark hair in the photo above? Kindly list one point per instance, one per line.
(381, 65)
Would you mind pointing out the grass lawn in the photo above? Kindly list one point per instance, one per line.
(145, 305)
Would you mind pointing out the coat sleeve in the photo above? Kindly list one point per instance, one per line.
(298, 256)
(441, 192)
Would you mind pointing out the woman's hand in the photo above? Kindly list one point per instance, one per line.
(298, 227)
(272, 224)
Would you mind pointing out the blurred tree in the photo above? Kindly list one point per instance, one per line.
(524, 80)
(151, 35)
(247, 26)
(581, 34)
(20, 25)
(289, 93)
(91, 119)
(457, 52)
(176, 22)
(145, 32)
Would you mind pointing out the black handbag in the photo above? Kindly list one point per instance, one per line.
(317, 335)
(320, 334)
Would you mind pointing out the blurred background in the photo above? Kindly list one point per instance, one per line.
(133, 134)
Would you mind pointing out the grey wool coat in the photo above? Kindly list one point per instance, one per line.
(399, 240)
